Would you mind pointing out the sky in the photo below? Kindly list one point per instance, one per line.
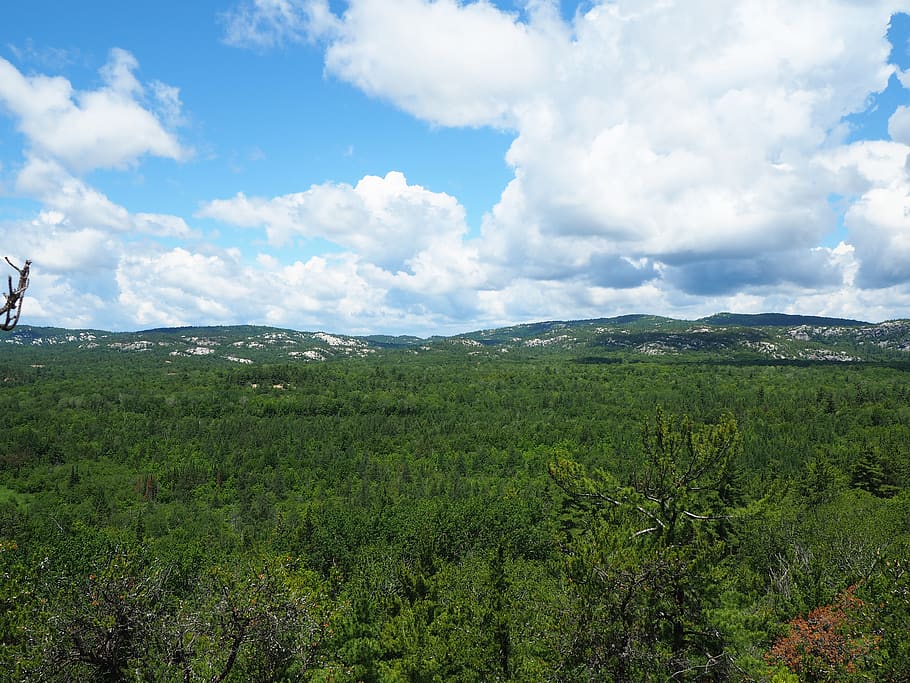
(441, 166)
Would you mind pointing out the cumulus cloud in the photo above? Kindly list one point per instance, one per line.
(878, 220)
(406, 257)
(81, 206)
(681, 145)
(899, 125)
(180, 287)
(49, 182)
(449, 62)
(72, 281)
(66, 303)
(446, 62)
(675, 158)
(384, 220)
(59, 247)
(691, 136)
(69, 133)
(109, 127)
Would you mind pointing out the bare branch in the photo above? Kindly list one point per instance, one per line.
(12, 305)
(706, 518)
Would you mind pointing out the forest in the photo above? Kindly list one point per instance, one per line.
(453, 517)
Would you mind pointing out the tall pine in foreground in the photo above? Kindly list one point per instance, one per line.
(640, 555)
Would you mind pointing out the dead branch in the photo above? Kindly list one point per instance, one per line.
(12, 305)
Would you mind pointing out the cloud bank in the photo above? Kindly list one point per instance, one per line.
(677, 158)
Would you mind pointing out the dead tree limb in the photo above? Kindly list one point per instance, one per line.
(12, 305)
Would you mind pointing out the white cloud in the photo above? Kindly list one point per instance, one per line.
(83, 206)
(447, 62)
(72, 266)
(879, 225)
(694, 133)
(68, 251)
(384, 220)
(57, 189)
(878, 219)
(104, 128)
(162, 225)
(80, 234)
(334, 282)
(406, 254)
(56, 246)
(674, 158)
(261, 24)
(61, 302)
(179, 287)
(899, 125)
(169, 106)
(677, 144)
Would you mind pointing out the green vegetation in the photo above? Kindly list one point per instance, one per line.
(464, 515)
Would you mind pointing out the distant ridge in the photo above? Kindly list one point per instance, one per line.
(764, 337)
(776, 320)
(634, 320)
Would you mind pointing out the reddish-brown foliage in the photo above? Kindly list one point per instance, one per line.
(824, 646)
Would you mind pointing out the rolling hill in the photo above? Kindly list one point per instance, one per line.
(767, 336)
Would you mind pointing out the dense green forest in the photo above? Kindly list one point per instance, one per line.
(449, 517)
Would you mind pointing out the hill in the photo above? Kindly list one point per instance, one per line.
(724, 336)
(776, 320)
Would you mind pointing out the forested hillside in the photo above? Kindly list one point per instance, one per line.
(617, 504)
(725, 337)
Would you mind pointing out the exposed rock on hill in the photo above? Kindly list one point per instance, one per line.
(725, 336)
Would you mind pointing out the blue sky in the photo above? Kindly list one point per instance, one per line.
(432, 167)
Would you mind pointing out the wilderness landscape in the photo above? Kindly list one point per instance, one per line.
(438, 341)
(628, 499)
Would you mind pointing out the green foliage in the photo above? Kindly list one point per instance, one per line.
(451, 518)
(640, 565)
(886, 614)
(132, 617)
